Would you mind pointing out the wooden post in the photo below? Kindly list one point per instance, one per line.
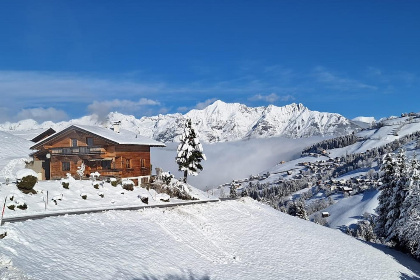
(2, 212)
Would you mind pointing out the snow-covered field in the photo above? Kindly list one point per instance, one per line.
(51, 197)
(223, 240)
(350, 209)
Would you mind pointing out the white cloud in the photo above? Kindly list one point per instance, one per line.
(102, 108)
(271, 98)
(21, 90)
(182, 109)
(286, 98)
(230, 160)
(204, 104)
(42, 114)
(336, 82)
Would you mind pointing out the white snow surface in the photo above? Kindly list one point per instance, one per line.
(25, 172)
(219, 122)
(14, 151)
(349, 210)
(224, 240)
(100, 195)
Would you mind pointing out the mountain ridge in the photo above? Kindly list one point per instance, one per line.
(218, 122)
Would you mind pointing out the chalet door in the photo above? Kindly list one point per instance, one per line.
(46, 166)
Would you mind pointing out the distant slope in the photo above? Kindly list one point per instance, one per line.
(225, 240)
(219, 122)
(13, 151)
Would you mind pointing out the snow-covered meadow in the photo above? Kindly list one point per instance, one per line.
(224, 240)
(86, 195)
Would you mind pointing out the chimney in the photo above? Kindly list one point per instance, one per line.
(116, 126)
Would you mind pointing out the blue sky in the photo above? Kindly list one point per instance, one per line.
(67, 59)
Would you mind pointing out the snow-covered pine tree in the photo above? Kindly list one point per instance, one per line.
(233, 193)
(189, 152)
(409, 222)
(388, 172)
(244, 192)
(81, 170)
(297, 208)
(399, 193)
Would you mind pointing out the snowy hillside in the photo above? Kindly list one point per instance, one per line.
(224, 240)
(219, 122)
(13, 153)
(338, 175)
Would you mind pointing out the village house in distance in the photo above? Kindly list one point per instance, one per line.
(112, 152)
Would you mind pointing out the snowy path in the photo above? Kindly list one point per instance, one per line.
(225, 240)
(36, 216)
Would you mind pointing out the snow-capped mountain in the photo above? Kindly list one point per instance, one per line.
(219, 122)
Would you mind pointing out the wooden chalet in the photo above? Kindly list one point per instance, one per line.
(111, 152)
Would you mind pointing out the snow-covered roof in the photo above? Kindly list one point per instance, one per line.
(123, 137)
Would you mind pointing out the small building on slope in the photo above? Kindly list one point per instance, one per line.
(112, 152)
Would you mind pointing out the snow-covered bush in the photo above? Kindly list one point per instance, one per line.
(128, 187)
(96, 186)
(144, 199)
(176, 189)
(95, 175)
(11, 207)
(65, 185)
(166, 177)
(27, 183)
(114, 182)
(23, 206)
(83, 195)
(101, 194)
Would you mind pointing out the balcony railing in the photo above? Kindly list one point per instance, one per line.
(77, 151)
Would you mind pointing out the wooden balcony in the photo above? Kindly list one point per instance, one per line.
(78, 151)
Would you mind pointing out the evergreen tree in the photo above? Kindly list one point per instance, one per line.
(399, 193)
(244, 192)
(189, 152)
(233, 193)
(81, 170)
(297, 208)
(388, 170)
(409, 222)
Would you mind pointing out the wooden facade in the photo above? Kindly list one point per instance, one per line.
(65, 151)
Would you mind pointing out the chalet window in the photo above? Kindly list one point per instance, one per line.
(65, 166)
(74, 142)
(89, 141)
(127, 163)
(106, 164)
(142, 162)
